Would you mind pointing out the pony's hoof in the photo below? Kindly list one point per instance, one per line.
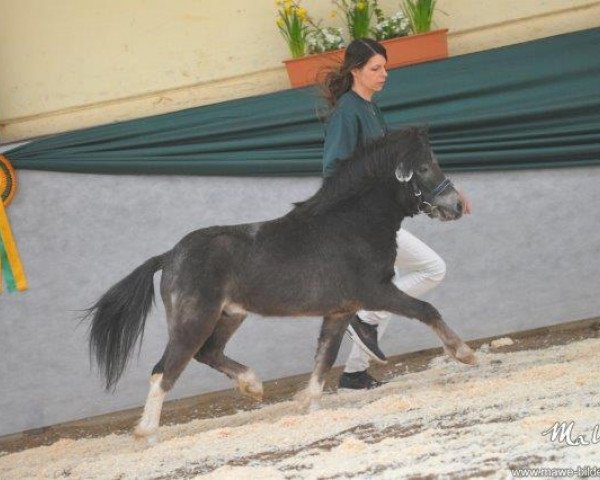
(253, 391)
(307, 403)
(303, 400)
(255, 394)
(250, 386)
(149, 441)
(463, 354)
(142, 432)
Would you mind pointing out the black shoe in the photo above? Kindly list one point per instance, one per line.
(358, 381)
(365, 336)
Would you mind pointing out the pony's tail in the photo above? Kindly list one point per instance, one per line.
(119, 317)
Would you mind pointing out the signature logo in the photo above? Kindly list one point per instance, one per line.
(562, 432)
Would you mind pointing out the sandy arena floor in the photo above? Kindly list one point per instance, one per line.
(435, 419)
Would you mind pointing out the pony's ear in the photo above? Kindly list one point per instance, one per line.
(403, 172)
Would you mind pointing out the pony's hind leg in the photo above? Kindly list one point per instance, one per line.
(330, 339)
(212, 355)
(148, 424)
(192, 323)
(393, 300)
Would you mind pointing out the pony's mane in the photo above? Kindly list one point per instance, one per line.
(368, 165)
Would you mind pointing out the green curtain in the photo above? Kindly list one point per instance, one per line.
(535, 104)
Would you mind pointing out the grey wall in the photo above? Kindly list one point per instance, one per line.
(527, 257)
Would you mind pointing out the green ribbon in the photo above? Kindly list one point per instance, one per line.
(6, 270)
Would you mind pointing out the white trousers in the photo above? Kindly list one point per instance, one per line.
(418, 269)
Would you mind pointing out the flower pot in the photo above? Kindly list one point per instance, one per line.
(305, 71)
(419, 48)
(401, 51)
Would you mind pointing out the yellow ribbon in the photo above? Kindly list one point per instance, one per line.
(10, 262)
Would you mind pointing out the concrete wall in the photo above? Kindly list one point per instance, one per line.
(527, 257)
(69, 64)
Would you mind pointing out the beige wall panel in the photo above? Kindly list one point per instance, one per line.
(79, 52)
(75, 63)
(468, 14)
(566, 17)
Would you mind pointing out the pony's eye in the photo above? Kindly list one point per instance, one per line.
(423, 169)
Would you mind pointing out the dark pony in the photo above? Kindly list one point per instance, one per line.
(331, 256)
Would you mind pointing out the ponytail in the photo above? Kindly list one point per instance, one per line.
(335, 83)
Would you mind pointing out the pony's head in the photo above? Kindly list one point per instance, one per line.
(400, 164)
(419, 175)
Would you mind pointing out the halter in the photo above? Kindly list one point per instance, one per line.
(425, 199)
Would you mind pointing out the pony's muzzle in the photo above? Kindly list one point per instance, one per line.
(449, 207)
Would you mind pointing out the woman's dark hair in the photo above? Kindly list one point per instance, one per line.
(338, 81)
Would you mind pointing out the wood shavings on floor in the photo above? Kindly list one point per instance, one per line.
(448, 421)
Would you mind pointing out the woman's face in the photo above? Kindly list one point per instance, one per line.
(372, 75)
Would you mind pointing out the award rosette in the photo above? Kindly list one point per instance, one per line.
(11, 269)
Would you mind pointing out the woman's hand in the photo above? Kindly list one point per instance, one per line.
(467, 207)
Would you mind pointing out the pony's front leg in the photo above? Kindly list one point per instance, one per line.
(332, 331)
(391, 299)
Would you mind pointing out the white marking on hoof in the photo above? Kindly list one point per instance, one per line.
(309, 397)
(148, 424)
(315, 388)
(144, 430)
(463, 354)
(466, 355)
(250, 385)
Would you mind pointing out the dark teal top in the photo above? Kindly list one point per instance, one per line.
(353, 122)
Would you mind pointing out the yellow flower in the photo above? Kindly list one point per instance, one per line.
(288, 10)
(361, 5)
(280, 22)
(278, 3)
(333, 14)
(301, 12)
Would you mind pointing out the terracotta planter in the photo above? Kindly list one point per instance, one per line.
(401, 51)
(305, 70)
